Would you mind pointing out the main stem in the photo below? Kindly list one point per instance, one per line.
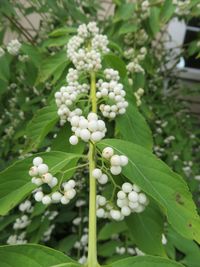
(92, 242)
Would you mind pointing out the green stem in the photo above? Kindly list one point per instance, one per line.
(92, 241)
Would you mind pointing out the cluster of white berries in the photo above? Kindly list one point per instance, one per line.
(145, 10)
(123, 250)
(89, 128)
(69, 94)
(102, 178)
(21, 222)
(85, 48)
(26, 206)
(41, 176)
(17, 239)
(136, 58)
(13, 47)
(116, 161)
(47, 234)
(111, 90)
(103, 208)
(138, 94)
(131, 199)
(182, 7)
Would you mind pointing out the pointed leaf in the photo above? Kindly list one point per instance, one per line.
(161, 183)
(41, 124)
(145, 261)
(31, 256)
(138, 131)
(15, 182)
(146, 228)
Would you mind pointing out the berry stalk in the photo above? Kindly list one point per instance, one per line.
(92, 241)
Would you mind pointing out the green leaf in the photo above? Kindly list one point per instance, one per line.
(167, 11)
(33, 53)
(56, 42)
(127, 28)
(61, 142)
(146, 228)
(62, 31)
(138, 131)
(162, 184)
(108, 248)
(145, 261)
(115, 62)
(188, 247)
(50, 65)
(5, 221)
(124, 12)
(31, 255)
(110, 229)
(41, 124)
(154, 20)
(67, 243)
(15, 182)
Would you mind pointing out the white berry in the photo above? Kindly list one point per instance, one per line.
(107, 152)
(37, 161)
(73, 140)
(42, 169)
(115, 170)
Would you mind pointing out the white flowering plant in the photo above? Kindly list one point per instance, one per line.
(98, 187)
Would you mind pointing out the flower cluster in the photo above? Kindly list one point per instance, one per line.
(144, 10)
(138, 94)
(85, 48)
(182, 7)
(17, 239)
(46, 182)
(116, 161)
(89, 128)
(114, 92)
(136, 57)
(13, 47)
(21, 222)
